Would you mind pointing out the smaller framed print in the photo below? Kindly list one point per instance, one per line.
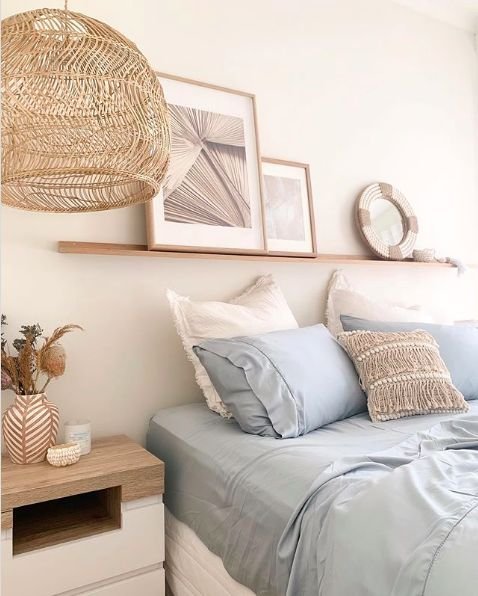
(288, 208)
(211, 199)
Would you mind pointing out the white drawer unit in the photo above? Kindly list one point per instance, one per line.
(150, 583)
(101, 541)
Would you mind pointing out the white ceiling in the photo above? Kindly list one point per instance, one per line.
(460, 13)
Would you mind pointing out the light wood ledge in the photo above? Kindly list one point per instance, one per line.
(141, 250)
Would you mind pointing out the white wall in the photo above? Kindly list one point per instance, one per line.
(461, 13)
(363, 91)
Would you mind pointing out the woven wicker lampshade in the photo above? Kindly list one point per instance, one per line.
(84, 121)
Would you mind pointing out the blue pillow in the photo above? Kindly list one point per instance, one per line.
(284, 383)
(458, 345)
(230, 381)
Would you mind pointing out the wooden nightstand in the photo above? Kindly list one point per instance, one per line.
(94, 528)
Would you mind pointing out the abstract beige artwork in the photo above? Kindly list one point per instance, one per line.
(207, 177)
(285, 216)
(288, 207)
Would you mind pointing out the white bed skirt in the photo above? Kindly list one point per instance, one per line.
(191, 568)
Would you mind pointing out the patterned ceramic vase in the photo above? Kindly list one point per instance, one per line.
(30, 426)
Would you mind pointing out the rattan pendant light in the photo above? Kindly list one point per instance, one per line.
(84, 121)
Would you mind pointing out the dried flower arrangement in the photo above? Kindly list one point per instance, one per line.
(33, 367)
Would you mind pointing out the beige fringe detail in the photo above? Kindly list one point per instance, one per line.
(418, 396)
(357, 342)
(399, 360)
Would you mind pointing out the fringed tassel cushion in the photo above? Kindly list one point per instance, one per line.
(402, 374)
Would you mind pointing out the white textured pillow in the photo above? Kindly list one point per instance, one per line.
(259, 309)
(343, 300)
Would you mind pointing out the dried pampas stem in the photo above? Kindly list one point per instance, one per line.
(25, 366)
(58, 334)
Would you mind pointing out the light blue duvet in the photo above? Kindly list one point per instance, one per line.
(352, 509)
(389, 523)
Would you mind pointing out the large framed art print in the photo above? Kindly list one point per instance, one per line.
(211, 199)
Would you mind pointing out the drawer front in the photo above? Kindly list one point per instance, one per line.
(147, 584)
(68, 566)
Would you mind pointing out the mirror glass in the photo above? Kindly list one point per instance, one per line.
(387, 221)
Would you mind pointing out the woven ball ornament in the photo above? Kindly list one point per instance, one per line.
(84, 121)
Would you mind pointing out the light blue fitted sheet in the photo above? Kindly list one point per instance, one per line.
(238, 492)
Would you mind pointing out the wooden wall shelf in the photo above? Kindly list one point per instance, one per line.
(140, 250)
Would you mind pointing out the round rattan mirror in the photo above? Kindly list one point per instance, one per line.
(387, 221)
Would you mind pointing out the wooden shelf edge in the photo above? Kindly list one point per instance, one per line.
(7, 519)
(141, 250)
(113, 461)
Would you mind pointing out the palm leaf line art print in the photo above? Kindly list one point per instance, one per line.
(207, 178)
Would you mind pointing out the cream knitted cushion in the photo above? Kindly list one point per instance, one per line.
(402, 374)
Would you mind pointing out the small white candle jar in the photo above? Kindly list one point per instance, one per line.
(79, 431)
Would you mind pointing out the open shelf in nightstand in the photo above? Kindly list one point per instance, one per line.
(61, 520)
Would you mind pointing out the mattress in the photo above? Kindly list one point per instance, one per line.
(191, 568)
(237, 492)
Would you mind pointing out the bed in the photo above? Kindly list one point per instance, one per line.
(354, 507)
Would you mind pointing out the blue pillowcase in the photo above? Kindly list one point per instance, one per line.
(285, 383)
(458, 347)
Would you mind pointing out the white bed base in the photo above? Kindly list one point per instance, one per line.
(191, 568)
